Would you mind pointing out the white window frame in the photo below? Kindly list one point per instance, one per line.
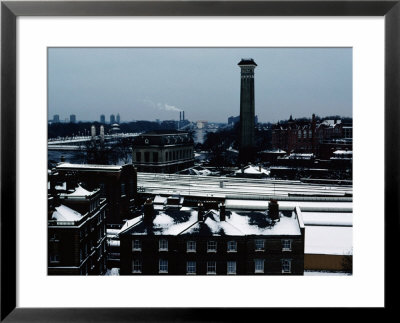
(163, 245)
(137, 263)
(284, 245)
(136, 248)
(229, 266)
(229, 247)
(162, 263)
(286, 266)
(191, 246)
(192, 265)
(211, 267)
(211, 246)
(258, 241)
(260, 262)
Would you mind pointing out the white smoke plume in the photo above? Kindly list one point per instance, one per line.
(167, 107)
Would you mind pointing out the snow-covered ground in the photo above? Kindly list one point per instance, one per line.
(325, 273)
(112, 272)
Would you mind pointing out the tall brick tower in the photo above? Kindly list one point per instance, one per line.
(246, 140)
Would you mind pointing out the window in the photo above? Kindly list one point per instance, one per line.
(232, 246)
(231, 267)
(211, 267)
(191, 246)
(136, 245)
(54, 258)
(211, 246)
(147, 157)
(286, 265)
(259, 244)
(137, 266)
(163, 266)
(191, 267)
(286, 245)
(155, 157)
(259, 265)
(163, 245)
(138, 156)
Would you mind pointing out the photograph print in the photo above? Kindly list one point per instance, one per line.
(200, 161)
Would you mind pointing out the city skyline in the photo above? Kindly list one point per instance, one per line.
(157, 83)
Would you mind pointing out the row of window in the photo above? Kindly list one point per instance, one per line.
(212, 245)
(178, 154)
(169, 155)
(211, 266)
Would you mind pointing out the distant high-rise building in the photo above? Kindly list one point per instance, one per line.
(118, 118)
(56, 118)
(103, 119)
(72, 118)
(247, 114)
(112, 119)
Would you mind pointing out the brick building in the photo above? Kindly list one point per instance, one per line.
(300, 136)
(185, 241)
(77, 233)
(118, 184)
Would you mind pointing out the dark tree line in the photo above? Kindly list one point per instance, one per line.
(218, 143)
(98, 153)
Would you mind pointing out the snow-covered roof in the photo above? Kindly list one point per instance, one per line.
(185, 221)
(343, 152)
(79, 192)
(305, 206)
(252, 170)
(328, 240)
(328, 218)
(64, 213)
(274, 151)
(158, 199)
(88, 166)
(63, 186)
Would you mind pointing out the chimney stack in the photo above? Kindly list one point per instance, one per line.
(222, 213)
(200, 212)
(273, 210)
(183, 115)
(71, 182)
(180, 115)
(148, 211)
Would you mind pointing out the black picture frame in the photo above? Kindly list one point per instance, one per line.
(10, 10)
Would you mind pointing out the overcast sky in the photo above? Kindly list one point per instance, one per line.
(156, 83)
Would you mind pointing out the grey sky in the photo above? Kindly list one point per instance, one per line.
(155, 83)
